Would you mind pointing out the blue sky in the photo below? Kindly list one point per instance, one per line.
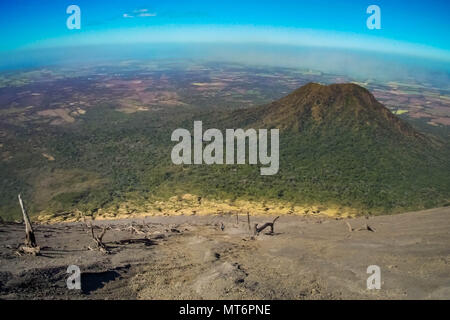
(410, 26)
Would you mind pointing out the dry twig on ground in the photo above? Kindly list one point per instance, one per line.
(264, 226)
(367, 228)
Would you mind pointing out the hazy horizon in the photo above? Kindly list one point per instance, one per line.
(357, 64)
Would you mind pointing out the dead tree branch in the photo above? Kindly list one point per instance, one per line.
(264, 226)
(99, 240)
(135, 230)
(367, 228)
(30, 238)
(350, 229)
(30, 246)
(35, 251)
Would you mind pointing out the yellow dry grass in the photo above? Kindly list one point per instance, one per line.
(189, 204)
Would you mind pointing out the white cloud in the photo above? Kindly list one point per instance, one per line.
(147, 15)
(140, 11)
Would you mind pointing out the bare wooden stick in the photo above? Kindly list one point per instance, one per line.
(264, 226)
(248, 221)
(30, 239)
(350, 229)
